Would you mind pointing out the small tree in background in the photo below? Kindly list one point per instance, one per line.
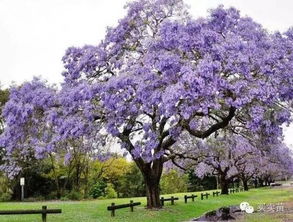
(132, 183)
(173, 182)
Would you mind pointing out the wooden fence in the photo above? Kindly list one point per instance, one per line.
(114, 207)
(44, 211)
(172, 199)
(189, 197)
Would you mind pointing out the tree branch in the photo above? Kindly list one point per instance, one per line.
(203, 134)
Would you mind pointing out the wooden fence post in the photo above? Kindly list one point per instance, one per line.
(185, 198)
(192, 196)
(113, 210)
(162, 201)
(44, 213)
(131, 205)
(172, 200)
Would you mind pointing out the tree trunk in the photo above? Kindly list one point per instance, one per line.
(86, 180)
(152, 174)
(217, 180)
(245, 185)
(270, 180)
(77, 176)
(153, 194)
(224, 185)
(56, 180)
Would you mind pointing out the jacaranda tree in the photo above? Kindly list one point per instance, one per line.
(228, 157)
(232, 156)
(277, 164)
(158, 73)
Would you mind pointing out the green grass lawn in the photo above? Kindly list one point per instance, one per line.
(95, 210)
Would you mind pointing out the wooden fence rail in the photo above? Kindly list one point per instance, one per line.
(206, 195)
(44, 211)
(216, 193)
(172, 199)
(232, 191)
(189, 197)
(114, 207)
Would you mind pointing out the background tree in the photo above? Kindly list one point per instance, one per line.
(4, 95)
(173, 182)
(132, 183)
(222, 156)
(196, 183)
(277, 163)
(115, 173)
(5, 188)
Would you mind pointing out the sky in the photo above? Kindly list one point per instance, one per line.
(34, 34)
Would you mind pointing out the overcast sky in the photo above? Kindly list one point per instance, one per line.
(34, 34)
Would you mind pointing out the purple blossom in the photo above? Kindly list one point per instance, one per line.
(156, 75)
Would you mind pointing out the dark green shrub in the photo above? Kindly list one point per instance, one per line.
(110, 191)
(5, 197)
(64, 198)
(74, 195)
(98, 189)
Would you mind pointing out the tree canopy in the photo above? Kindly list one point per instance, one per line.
(155, 75)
